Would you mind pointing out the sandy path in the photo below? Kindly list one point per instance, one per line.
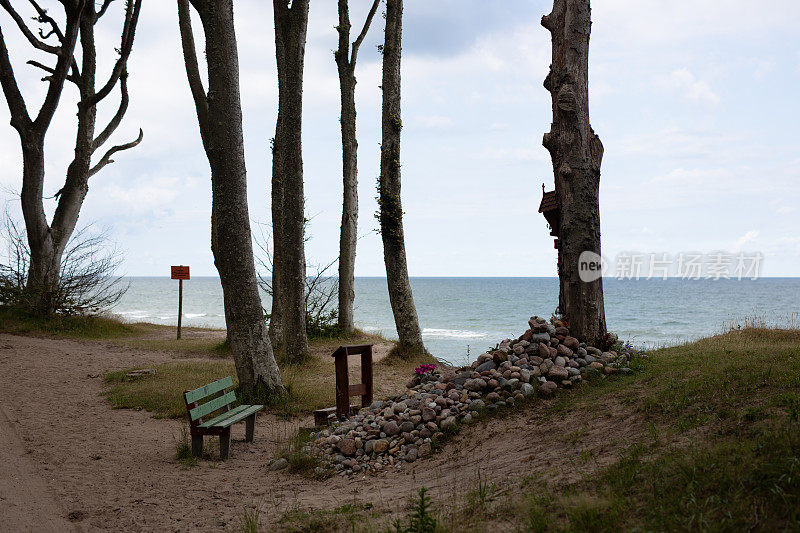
(113, 469)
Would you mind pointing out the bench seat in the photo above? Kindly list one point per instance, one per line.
(215, 415)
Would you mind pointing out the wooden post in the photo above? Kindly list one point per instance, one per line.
(180, 306)
(342, 385)
(343, 388)
(366, 376)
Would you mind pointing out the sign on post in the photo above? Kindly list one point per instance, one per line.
(180, 272)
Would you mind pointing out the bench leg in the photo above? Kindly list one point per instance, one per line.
(250, 429)
(197, 445)
(225, 444)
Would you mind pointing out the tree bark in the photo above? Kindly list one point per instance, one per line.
(390, 205)
(576, 153)
(47, 242)
(220, 118)
(289, 261)
(346, 65)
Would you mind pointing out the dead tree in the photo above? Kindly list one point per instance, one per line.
(576, 152)
(219, 114)
(390, 207)
(346, 64)
(288, 218)
(47, 241)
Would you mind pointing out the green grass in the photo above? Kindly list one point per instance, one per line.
(86, 327)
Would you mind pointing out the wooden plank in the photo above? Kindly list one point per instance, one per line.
(342, 386)
(223, 416)
(366, 376)
(212, 405)
(208, 390)
(357, 390)
(240, 416)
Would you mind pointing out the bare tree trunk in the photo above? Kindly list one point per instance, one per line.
(346, 65)
(220, 118)
(48, 241)
(391, 209)
(576, 152)
(289, 261)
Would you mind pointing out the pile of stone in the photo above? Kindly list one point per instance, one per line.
(389, 434)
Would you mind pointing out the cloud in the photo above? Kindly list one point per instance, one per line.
(691, 88)
(434, 121)
(745, 239)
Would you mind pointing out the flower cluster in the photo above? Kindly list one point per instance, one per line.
(422, 370)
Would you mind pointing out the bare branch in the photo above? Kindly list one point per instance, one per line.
(44, 18)
(363, 34)
(36, 43)
(126, 45)
(103, 9)
(115, 121)
(192, 70)
(65, 61)
(16, 103)
(70, 77)
(106, 159)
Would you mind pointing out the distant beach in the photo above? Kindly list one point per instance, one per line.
(470, 314)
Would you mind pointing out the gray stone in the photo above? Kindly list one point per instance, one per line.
(391, 428)
(488, 365)
(449, 422)
(477, 405)
(541, 337)
(279, 464)
(527, 389)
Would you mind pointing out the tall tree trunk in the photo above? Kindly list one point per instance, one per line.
(220, 118)
(391, 209)
(47, 242)
(576, 152)
(289, 260)
(346, 65)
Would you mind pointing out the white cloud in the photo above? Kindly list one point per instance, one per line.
(692, 89)
(747, 238)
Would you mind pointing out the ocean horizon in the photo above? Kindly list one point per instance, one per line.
(461, 317)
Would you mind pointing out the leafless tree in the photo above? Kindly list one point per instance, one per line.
(47, 241)
(576, 152)
(288, 218)
(390, 206)
(219, 114)
(346, 57)
(87, 281)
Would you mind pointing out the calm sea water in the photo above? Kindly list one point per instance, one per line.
(470, 314)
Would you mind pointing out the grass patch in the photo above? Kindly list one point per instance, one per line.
(162, 393)
(183, 450)
(15, 322)
(348, 517)
(301, 461)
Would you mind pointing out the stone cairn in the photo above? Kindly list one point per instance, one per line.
(388, 434)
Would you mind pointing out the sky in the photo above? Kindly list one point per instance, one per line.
(696, 104)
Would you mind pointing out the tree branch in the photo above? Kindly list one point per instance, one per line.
(16, 103)
(65, 60)
(115, 121)
(39, 45)
(103, 9)
(192, 70)
(106, 159)
(126, 44)
(71, 77)
(44, 18)
(363, 34)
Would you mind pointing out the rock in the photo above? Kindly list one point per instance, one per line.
(547, 388)
(391, 428)
(347, 447)
(525, 376)
(594, 351)
(488, 365)
(573, 372)
(590, 359)
(411, 455)
(527, 335)
(563, 350)
(527, 389)
(512, 384)
(279, 464)
(428, 414)
(406, 427)
(519, 350)
(399, 407)
(449, 422)
(477, 405)
(562, 331)
(368, 446)
(560, 361)
(498, 356)
(571, 342)
(380, 446)
(492, 397)
(461, 378)
(557, 373)
(425, 449)
(596, 365)
(540, 337)
(544, 350)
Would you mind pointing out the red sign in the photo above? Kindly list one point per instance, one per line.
(180, 272)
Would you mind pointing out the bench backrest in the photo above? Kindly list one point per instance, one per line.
(220, 400)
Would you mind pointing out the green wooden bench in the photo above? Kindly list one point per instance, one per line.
(215, 416)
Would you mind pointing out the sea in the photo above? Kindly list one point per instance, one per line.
(462, 317)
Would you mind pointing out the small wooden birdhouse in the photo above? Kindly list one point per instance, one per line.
(549, 208)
